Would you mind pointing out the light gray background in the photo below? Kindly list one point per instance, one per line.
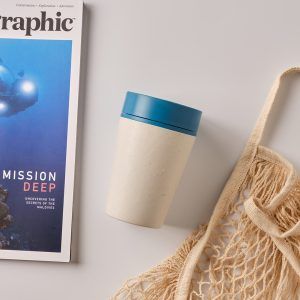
(218, 56)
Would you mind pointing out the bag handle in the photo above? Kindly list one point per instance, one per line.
(231, 188)
(258, 131)
(266, 224)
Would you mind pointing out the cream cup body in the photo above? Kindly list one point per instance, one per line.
(148, 166)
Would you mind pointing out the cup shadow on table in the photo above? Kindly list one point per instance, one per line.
(212, 161)
(75, 249)
(208, 168)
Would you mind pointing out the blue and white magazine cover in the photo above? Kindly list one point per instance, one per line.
(39, 79)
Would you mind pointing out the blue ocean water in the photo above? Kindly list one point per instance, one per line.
(35, 139)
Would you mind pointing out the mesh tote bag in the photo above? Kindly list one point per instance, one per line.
(250, 248)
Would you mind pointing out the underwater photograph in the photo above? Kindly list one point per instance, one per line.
(34, 104)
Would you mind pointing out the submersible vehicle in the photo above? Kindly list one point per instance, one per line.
(17, 93)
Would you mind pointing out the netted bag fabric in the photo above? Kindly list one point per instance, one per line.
(241, 260)
(250, 248)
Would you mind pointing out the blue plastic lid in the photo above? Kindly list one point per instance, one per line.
(162, 113)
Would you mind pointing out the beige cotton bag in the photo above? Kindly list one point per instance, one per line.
(250, 248)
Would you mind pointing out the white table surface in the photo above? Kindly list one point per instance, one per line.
(218, 56)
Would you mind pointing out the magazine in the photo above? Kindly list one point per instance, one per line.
(39, 84)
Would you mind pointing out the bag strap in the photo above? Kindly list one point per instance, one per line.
(266, 224)
(231, 188)
(258, 131)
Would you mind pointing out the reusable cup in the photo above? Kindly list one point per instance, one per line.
(154, 142)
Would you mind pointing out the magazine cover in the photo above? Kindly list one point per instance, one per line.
(39, 79)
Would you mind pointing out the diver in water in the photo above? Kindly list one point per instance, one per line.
(16, 93)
